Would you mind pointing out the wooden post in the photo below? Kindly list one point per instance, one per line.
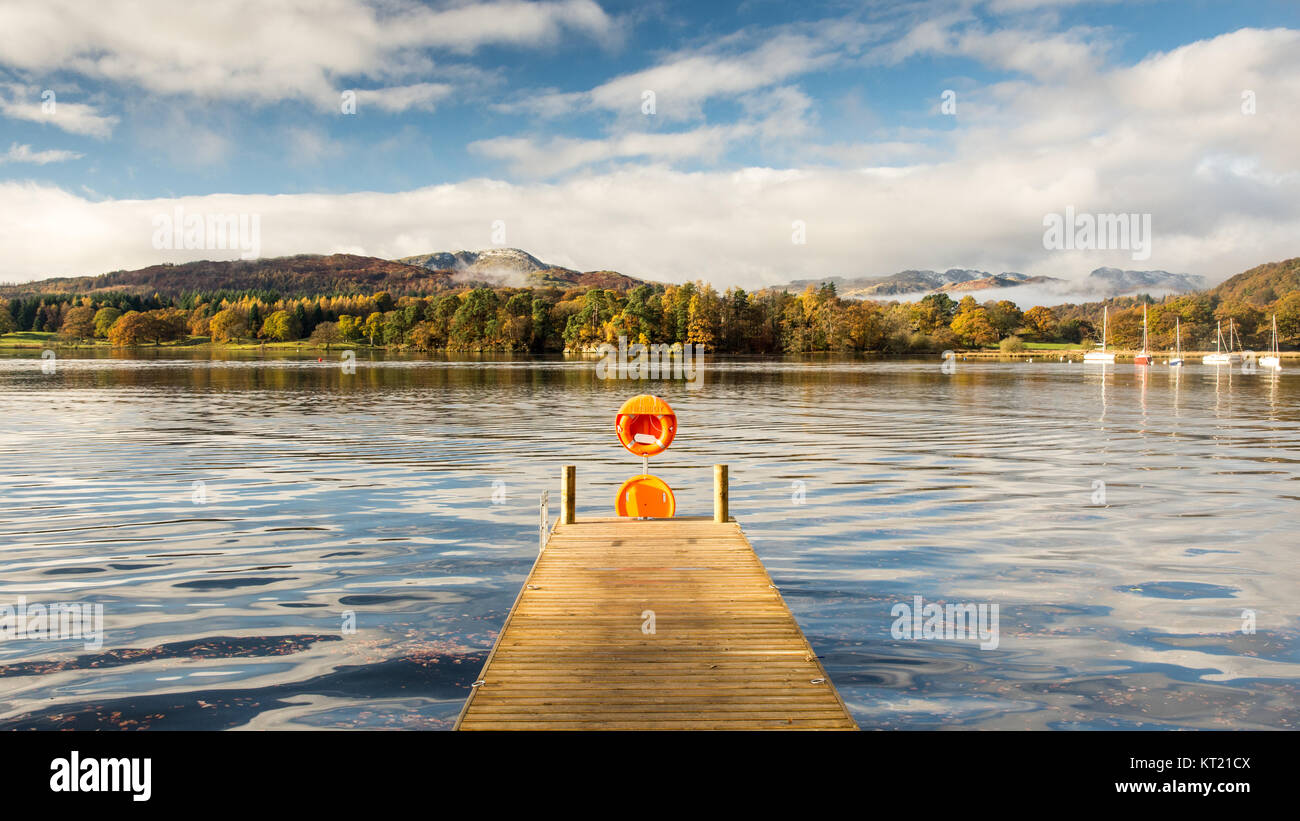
(720, 506)
(567, 493)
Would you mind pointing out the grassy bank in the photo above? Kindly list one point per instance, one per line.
(1076, 353)
(40, 340)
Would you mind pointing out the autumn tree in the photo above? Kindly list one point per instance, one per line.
(228, 325)
(1042, 321)
(350, 328)
(104, 319)
(280, 326)
(475, 321)
(133, 328)
(585, 328)
(373, 327)
(1288, 317)
(934, 311)
(79, 323)
(973, 327)
(1004, 315)
(327, 334)
(702, 317)
(383, 302)
(172, 323)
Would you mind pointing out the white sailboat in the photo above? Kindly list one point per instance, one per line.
(1274, 359)
(1144, 357)
(1103, 356)
(1221, 356)
(1176, 361)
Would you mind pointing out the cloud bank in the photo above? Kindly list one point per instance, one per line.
(1200, 137)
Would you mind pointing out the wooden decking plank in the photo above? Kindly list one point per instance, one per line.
(726, 652)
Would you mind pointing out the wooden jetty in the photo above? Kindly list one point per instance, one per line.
(651, 624)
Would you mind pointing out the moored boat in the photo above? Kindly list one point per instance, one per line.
(1176, 361)
(1274, 358)
(1144, 356)
(1220, 356)
(1102, 356)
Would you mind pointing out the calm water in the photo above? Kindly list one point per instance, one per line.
(323, 493)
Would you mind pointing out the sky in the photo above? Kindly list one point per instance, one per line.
(745, 144)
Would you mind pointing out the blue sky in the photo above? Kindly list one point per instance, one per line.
(765, 113)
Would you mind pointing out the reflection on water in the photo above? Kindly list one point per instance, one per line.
(228, 512)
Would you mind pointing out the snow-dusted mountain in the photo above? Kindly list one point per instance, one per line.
(1099, 284)
(517, 268)
(918, 282)
(492, 263)
(1114, 282)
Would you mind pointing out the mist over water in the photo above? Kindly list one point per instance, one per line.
(861, 483)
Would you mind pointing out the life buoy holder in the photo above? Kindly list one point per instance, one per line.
(645, 497)
(646, 425)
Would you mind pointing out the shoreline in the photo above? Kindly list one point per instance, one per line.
(304, 346)
(1077, 354)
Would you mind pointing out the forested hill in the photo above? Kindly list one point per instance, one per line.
(378, 302)
(305, 275)
(1262, 284)
(297, 276)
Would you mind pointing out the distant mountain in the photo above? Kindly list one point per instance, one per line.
(498, 262)
(296, 276)
(1261, 284)
(517, 268)
(1101, 283)
(904, 282)
(1003, 280)
(308, 275)
(916, 282)
(1114, 282)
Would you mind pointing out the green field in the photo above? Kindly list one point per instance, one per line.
(1053, 346)
(45, 339)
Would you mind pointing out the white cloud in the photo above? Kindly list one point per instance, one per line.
(682, 82)
(267, 52)
(1165, 136)
(24, 153)
(424, 96)
(774, 116)
(553, 156)
(1036, 52)
(1014, 6)
(19, 102)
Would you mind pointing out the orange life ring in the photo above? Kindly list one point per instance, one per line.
(646, 497)
(646, 425)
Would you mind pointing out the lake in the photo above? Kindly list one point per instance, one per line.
(277, 543)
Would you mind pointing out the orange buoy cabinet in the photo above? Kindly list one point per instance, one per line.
(646, 425)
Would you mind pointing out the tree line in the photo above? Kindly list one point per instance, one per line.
(771, 321)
